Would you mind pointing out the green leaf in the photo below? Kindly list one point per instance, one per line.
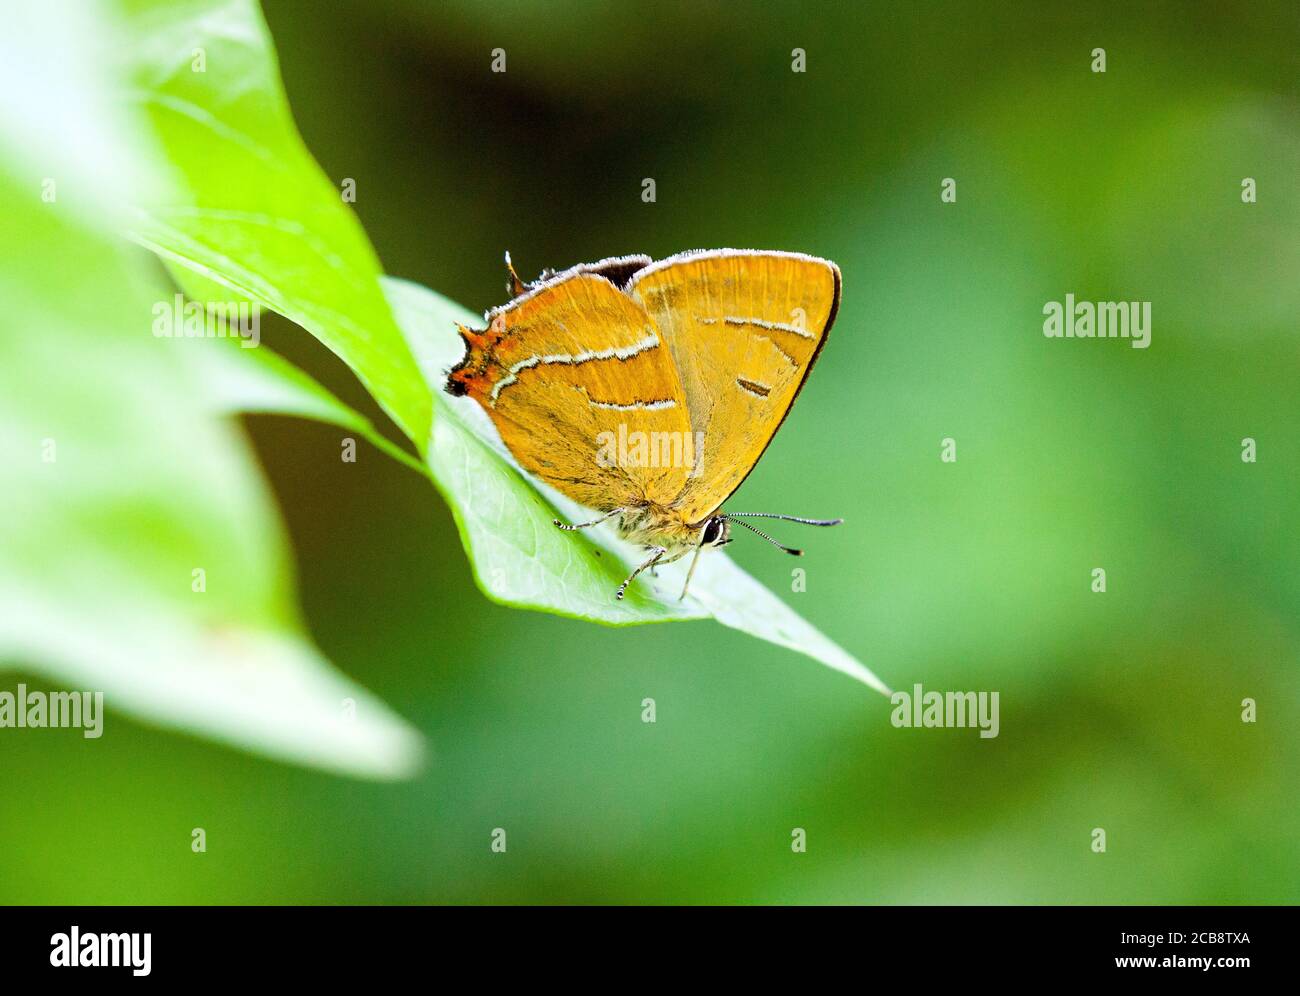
(250, 209)
(119, 488)
(258, 381)
(119, 485)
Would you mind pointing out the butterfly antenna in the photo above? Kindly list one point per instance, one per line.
(790, 550)
(787, 518)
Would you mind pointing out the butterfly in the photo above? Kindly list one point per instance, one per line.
(648, 390)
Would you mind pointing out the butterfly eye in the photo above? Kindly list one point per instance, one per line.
(712, 531)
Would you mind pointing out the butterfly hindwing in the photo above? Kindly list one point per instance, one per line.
(744, 329)
(575, 375)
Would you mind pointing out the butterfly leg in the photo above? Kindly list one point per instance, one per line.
(656, 552)
(665, 561)
(584, 525)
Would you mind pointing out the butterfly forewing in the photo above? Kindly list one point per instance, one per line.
(744, 329)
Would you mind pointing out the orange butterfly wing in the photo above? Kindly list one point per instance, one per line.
(569, 366)
(744, 329)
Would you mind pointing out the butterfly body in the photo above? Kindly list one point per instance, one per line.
(648, 390)
(652, 525)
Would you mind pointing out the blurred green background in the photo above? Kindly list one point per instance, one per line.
(1119, 710)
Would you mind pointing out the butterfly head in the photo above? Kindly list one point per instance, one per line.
(717, 531)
